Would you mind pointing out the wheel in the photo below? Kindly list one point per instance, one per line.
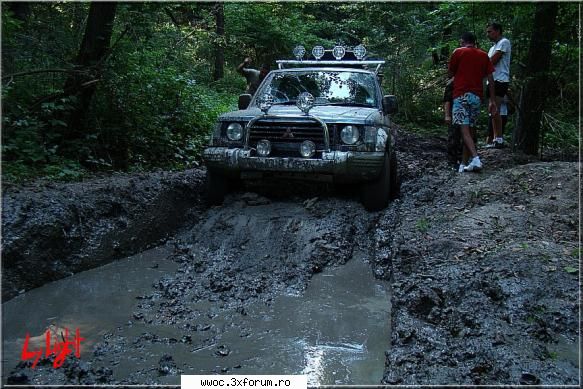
(375, 194)
(216, 188)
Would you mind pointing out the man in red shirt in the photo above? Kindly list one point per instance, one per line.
(469, 66)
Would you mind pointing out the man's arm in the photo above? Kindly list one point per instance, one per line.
(496, 57)
(243, 65)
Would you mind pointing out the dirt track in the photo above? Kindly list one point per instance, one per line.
(484, 267)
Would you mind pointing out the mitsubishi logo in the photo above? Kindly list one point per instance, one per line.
(288, 133)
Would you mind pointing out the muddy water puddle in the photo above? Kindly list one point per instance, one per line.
(335, 332)
(93, 301)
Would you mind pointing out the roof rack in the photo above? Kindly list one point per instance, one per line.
(281, 63)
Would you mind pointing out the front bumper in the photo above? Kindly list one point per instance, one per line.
(341, 166)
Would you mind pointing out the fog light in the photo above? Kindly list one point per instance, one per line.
(305, 102)
(263, 148)
(338, 52)
(359, 52)
(299, 52)
(307, 149)
(318, 52)
(265, 102)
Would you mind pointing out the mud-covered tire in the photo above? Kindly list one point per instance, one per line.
(375, 194)
(216, 188)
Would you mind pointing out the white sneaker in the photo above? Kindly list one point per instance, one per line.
(462, 168)
(474, 166)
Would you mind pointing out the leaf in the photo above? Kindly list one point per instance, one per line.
(571, 270)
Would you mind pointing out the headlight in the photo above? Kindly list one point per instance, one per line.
(349, 135)
(234, 131)
(263, 148)
(307, 149)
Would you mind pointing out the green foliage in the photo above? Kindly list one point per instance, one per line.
(422, 225)
(156, 101)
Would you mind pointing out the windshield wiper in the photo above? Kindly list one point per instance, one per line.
(289, 102)
(353, 104)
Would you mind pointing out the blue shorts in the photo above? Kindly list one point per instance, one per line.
(466, 109)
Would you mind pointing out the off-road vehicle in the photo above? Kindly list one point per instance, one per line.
(312, 119)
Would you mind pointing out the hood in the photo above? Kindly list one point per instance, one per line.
(327, 113)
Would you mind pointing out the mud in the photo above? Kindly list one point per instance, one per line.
(485, 272)
(484, 268)
(51, 231)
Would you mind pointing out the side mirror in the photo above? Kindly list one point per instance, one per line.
(390, 104)
(244, 100)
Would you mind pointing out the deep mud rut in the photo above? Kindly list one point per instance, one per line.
(483, 267)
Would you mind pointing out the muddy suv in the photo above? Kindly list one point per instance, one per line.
(312, 119)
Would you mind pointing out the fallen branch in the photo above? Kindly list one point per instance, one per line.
(61, 94)
(42, 71)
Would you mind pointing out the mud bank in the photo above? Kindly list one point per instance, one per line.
(51, 231)
(485, 272)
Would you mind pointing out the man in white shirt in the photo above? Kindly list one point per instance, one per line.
(499, 54)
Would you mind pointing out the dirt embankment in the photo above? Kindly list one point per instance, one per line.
(485, 271)
(51, 231)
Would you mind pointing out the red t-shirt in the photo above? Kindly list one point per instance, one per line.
(469, 66)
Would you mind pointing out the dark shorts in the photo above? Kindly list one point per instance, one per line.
(500, 89)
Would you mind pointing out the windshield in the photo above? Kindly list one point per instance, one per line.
(327, 87)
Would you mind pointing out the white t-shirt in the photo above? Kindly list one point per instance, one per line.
(502, 68)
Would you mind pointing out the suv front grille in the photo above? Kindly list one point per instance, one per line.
(286, 136)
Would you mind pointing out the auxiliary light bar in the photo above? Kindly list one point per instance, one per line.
(338, 52)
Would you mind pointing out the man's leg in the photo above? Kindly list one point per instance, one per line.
(497, 120)
(470, 147)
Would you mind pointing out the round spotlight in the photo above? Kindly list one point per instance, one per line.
(263, 148)
(299, 52)
(338, 52)
(349, 135)
(359, 52)
(234, 131)
(307, 149)
(318, 52)
(265, 102)
(305, 102)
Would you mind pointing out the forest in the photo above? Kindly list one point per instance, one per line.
(97, 86)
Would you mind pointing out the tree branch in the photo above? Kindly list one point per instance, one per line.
(42, 71)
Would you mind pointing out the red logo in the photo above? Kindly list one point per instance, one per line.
(60, 347)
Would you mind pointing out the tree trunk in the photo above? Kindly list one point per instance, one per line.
(532, 101)
(91, 54)
(219, 41)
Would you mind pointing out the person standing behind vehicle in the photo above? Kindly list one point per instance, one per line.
(253, 76)
(469, 66)
(499, 54)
